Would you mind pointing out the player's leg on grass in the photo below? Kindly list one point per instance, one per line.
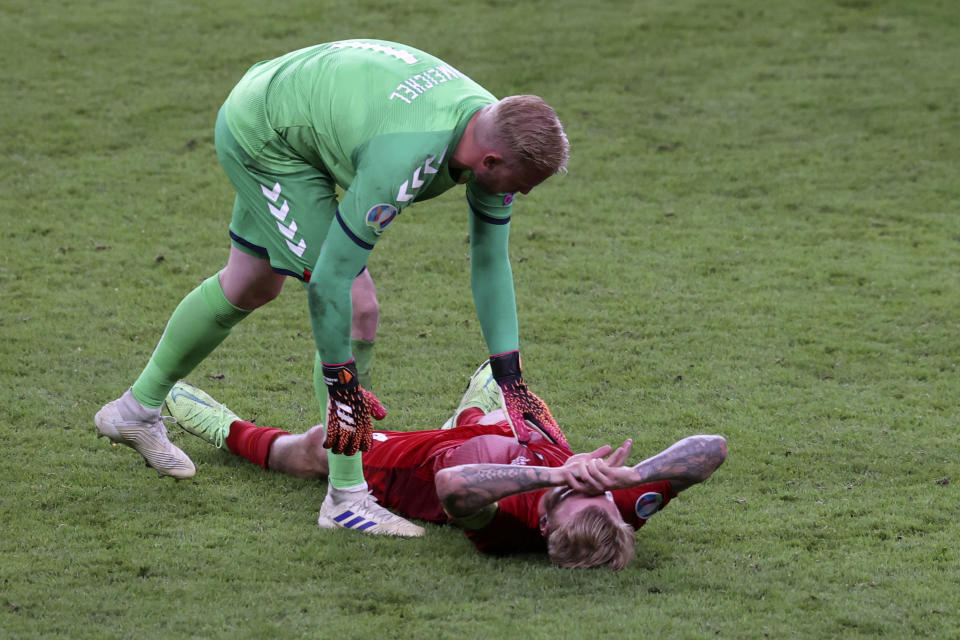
(195, 411)
(301, 455)
(202, 320)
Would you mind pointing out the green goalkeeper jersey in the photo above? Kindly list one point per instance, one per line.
(382, 120)
(379, 117)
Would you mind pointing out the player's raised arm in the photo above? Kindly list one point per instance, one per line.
(468, 489)
(685, 463)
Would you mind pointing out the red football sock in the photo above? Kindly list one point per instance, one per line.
(249, 441)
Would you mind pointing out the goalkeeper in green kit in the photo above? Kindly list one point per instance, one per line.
(390, 125)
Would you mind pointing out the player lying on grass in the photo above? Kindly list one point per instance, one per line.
(508, 497)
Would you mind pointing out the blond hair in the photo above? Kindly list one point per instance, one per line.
(592, 539)
(532, 132)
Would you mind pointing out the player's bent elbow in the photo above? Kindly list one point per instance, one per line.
(720, 444)
(443, 482)
(449, 485)
(716, 454)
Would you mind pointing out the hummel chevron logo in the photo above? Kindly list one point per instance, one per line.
(405, 196)
(402, 195)
(417, 182)
(298, 248)
(407, 189)
(281, 213)
(288, 231)
(273, 194)
(426, 165)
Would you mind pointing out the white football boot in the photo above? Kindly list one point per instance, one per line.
(358, 510)
(126, 421)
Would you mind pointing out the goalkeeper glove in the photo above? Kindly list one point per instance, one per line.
(349, 408)
(523, 408)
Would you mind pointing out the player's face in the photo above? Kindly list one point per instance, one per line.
(562, 505)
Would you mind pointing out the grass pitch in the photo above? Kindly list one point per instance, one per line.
(758, 237)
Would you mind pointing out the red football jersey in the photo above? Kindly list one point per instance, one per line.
(401, 465)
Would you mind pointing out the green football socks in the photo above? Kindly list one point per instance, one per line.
(202, 320)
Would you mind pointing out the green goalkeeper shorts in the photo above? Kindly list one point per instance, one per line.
(280, 217)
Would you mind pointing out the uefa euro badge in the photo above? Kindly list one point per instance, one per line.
(648, 504)
(379, 216)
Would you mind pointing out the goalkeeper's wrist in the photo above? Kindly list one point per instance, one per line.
(505, 367)
(340, 375)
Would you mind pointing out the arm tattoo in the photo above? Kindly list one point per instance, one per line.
(479, 485)
(687, 462)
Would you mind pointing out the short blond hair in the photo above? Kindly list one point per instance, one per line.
(592, 539)
(530, 129)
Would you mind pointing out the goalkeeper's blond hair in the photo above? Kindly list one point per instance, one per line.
(530, 129)
(593, 539)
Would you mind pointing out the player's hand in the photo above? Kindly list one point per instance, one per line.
(602, 452)
(619, 457)
(520, 404)
(349, 409)
(599, 470)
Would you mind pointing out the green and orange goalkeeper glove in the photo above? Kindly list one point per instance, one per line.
(349, 409)
(520, 404)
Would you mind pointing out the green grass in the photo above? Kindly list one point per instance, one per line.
(758, 237)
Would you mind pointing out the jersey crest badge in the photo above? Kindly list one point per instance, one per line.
(379, 216)
(648, 504)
